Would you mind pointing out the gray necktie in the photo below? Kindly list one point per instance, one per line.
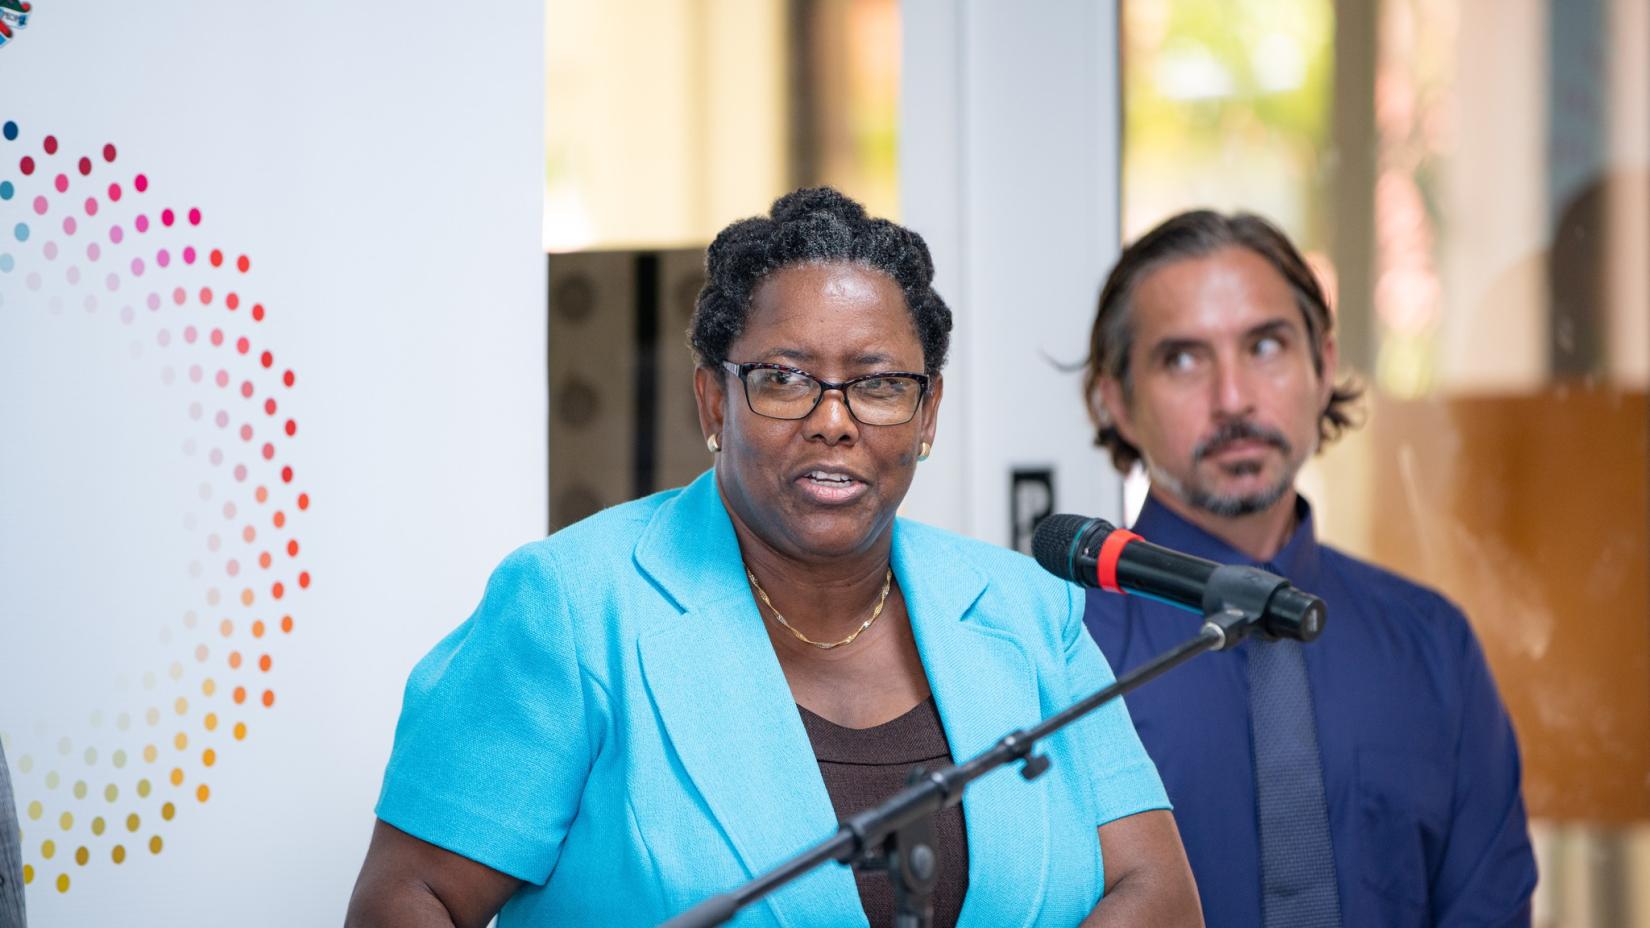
(1297, 865)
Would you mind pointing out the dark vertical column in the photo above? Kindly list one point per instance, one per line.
(801, 73)
(645, 348)
(1577, 128)
(1352, 180)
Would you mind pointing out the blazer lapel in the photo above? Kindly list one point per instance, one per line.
(985, 687)
(727, 710)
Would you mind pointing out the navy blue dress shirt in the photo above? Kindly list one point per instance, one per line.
(1421, 768)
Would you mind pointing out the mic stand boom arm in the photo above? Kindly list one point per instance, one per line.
(898, 834)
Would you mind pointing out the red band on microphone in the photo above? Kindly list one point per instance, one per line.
(1111, 549)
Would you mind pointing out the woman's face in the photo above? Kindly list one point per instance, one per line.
(826, 485)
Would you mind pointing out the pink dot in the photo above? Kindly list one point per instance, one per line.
(141, 183)
(50, 251)
(232, 568)
(206, 295)
(116, 234)
(195, 409)
(222, 378)
(72, 275)
(163, 257)
(194, 369)
(61, 183)
(217, 339)
(166, 217)
(137, 267)
(126, 315)
(178, 296)
(229, 510)
(114, 193)
(269, 406)
(141, 223)
(188, 253)
(189, 335)
(33, 280)
(69, 225)
(240, 471)
(246, 389)
(154, 302)
(269, 451)
(163, 338)
(216, 457)
(40, 206)
(93, 251)
(222, 419)
(194, 216)
(112, 282)
(91, 207)
(242, 345)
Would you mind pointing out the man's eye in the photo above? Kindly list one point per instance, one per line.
(1268, 346)
(1179, 361)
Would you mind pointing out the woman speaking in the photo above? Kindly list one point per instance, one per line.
(658, 703)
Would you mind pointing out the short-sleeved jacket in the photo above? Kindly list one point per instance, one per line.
(612, 726)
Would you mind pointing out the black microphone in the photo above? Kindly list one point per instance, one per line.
(1094, 553)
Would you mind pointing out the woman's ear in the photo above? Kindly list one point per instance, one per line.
(710, 395)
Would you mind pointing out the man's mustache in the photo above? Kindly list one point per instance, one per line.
(1238, 430)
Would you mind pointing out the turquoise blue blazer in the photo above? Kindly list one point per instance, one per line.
(611, 725)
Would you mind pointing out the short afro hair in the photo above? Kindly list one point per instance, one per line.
(813, 226)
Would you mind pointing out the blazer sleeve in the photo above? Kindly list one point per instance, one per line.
(495, 743)
(1125, 779)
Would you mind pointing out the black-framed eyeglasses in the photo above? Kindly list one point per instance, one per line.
(780, 392)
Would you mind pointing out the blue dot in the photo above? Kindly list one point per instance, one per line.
(6, 264)
(22, 231)
(6, 189)
(10, 130)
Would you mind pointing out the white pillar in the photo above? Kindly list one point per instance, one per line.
(1009, 129)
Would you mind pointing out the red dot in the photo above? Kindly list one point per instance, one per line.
(269, 406)
(303, 500)
(233, 301)
(141, 182)
(264, 664)
(242, 345)
(277, 591)
(85, 166)
(279, 519)
(26, 165)
(243, 264)
(292, 548)
(114, 193)
(194, 215)
(269, 698)
(50, 144)
(291, 428)
(246, 389)
(217, 336)
(206, 295)
(303, 579)
(266, 359)
(257, 312)
(240, 691)
(269, 451)
(217, 258)
(286, 624)
(287, 378)
(109, 152)
(286, 475)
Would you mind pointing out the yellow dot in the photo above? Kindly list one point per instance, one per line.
(246, 597)
(117, 854)
(240, 730)
(211, 721)
(167, 810)
(152, 716)
(123, 721)
(208, 687)
(80, 789)
(154, 844)
(25, 763)
(149, 753)
(35, 810)
(209, 757)
(180, 706)
(97, 825)
(180, 741)
(177, 776)
(81, 855)
(90, 755)
(66, 820)
(132, 822)
(28, 874)
(111, 792)
(119, 758)
(62, 882)
(52, 780)
(202, 793)
(143, 788)
(47, 849)
(175, 671)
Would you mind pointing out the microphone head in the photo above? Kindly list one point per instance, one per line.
(1054, 543)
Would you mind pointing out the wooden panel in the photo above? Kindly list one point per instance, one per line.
(1533, 513)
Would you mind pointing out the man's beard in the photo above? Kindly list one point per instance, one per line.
(1229, 506)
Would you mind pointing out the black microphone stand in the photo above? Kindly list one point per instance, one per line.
(898, 835)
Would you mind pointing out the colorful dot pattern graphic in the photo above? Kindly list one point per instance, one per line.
(150, 265)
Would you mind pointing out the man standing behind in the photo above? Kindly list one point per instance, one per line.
(1369, 778)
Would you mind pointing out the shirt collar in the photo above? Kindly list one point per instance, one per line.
(1297, 559)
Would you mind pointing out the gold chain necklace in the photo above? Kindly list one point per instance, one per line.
(887, 581)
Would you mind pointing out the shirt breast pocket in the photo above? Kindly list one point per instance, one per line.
(1403, 812)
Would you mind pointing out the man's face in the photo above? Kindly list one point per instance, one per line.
(1225, 398)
